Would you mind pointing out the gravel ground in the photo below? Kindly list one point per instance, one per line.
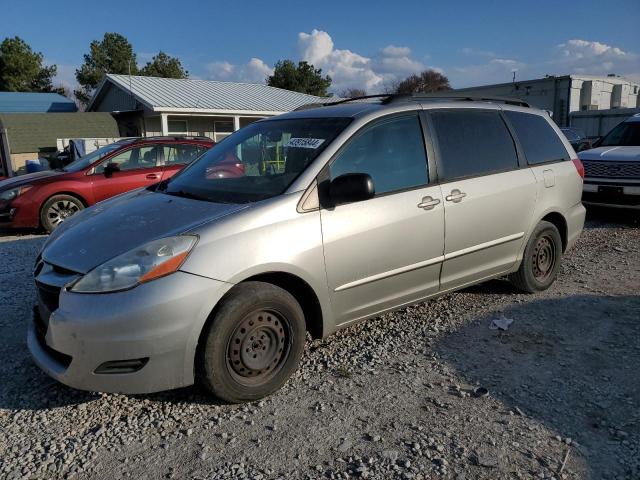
(389, 398)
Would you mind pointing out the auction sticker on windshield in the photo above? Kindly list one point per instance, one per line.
(305, 142)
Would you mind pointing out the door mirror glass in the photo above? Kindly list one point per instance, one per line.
(351, 187)
(110, 168)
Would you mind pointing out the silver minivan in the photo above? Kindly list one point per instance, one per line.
(331, 215)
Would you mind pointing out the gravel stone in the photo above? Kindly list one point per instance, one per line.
(381, 399)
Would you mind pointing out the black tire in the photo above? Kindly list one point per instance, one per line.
(541, 259)
(57, 209)
(253, 343)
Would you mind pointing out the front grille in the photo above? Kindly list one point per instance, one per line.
(49, 295)
(611, 169)
(41, 326)
(41, 331)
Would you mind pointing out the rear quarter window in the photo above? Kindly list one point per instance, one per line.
(540, 142)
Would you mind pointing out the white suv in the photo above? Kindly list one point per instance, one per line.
(612, 169)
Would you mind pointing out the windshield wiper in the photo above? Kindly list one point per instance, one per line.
(192, 196)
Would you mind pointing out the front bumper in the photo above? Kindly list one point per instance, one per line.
(157, 323)
(611, 193)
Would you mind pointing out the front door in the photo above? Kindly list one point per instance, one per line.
(489, 198)
(386, 251)
(138, 167)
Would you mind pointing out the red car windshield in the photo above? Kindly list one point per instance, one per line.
(258, 162)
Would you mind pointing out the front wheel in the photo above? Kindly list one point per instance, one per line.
(253, 344)
(57, 209)
(541, 259)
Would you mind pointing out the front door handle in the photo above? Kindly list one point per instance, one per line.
(153, 176)
(455, 196)
(428, 203)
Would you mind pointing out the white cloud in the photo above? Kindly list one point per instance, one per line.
(393, 51)
(352, 70)
(574, 56)
(254, 71)
(591, 57)
(346, 68)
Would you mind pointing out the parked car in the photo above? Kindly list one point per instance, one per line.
(612, 169)
(46, 199)
(577, 138)
(339, 216)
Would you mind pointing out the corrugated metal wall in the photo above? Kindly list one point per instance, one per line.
(596, 123)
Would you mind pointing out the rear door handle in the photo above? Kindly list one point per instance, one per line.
(153, 176)
(428, 203)
(455, 196)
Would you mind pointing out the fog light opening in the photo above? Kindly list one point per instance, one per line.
(121, 366)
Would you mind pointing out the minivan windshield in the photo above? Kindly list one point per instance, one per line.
(88, 159)
(257, 162)
(626, 134)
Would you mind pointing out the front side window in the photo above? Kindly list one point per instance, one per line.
(391, 152)
(539, 140)
(473, 143)
(258, 162)
(88, 159)
(626, 134)
(142, 157)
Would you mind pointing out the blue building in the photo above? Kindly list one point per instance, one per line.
(29, 102)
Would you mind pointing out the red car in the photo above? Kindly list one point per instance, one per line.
(47, 198)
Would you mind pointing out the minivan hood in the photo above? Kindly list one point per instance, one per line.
(616, 154)
(28, 179)
(122, 223)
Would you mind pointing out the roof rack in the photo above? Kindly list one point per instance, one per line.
(387, 98)
(363, 97)
(460, 97)
(176, 137)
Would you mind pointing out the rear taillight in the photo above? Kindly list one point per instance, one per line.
(579, 167)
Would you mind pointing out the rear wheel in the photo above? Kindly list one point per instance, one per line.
(253, 344)
(57, 209)
(541, 259)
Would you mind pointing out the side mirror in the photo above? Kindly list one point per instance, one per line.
(351, 187)
(110, 169)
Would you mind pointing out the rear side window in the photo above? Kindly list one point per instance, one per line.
(539, 140)
(473, 143)
(391, 152)
(181, 154)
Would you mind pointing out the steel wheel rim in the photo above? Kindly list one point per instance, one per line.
(259, 347)
(61, 210)
(544, 258)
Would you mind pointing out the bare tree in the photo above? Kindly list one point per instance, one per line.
(352, 92)
(424, 82)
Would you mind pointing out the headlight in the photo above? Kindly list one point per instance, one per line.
(150, 261)
(14, 193)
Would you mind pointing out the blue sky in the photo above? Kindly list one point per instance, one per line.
(366, 44)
